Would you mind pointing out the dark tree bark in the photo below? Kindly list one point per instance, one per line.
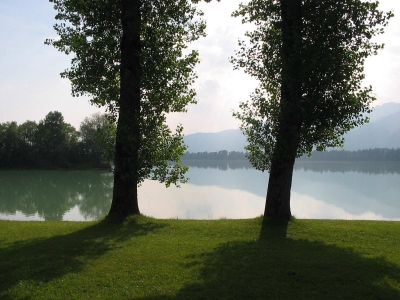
(280, 180)
(125, 201)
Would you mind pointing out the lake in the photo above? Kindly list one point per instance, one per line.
(341, 190)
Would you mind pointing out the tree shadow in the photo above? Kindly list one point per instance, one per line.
(44, 259)
(276, 266)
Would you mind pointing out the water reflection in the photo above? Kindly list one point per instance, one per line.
(374, 167)
(307, 207)
(220, 165)
(359, 190)
(49, 195)
(357, 193)
(198, 202)
(215, 190)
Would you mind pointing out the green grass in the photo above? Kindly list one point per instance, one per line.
(145, 258)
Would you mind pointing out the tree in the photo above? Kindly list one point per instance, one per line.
(97, 137)
(129, 56)
(308, 56)
(55, 139)
(27, 133)
(9, 146)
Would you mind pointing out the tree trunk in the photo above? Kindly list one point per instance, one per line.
(125, 201)
(277, 205)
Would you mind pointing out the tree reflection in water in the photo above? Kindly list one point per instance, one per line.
(51, 194)
(368, 167)
(86, 195)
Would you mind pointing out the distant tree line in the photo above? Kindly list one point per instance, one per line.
(220, 155)
(53, 143)
(364, 167)
(376, 154)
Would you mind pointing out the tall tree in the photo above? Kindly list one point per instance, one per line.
(129, 56)
(308, 56)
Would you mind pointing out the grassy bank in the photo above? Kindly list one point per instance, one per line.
(182, 259)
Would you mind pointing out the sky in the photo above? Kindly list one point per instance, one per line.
(31, 86)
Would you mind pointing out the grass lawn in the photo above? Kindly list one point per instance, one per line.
(145, 258)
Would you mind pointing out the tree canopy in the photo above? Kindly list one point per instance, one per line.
(53, 143)
(335, 41)
(131, 57)
(92, 32)
(308, 56)
(97, 136)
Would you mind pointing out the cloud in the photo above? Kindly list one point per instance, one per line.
(307, 207)
(383, 70)
(219, 87)
(188, 202)
(212, 113)
(199, 202)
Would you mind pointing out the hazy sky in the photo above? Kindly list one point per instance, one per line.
(30, 84)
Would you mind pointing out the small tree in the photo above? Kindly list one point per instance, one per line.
(129, 56)
(97, 138)
(27, 133)
(308, 56)
(55, 139)
(9, 146)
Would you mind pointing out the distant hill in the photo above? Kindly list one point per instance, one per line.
(385, 110)
(230, 140)
(383, 131)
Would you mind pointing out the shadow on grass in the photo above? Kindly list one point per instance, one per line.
(45, 259)
(278, 267)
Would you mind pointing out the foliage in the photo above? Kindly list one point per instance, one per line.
(55, 138)
(54, 143)
(8, 143)
(92, 32)
(97, 137)
(376, 154)
(336, 40)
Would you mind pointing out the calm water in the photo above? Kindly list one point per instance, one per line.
(369, 191)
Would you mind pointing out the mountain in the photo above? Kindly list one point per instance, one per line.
(383, 131)
(231, 140)
(385, 110)
(390, 123)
